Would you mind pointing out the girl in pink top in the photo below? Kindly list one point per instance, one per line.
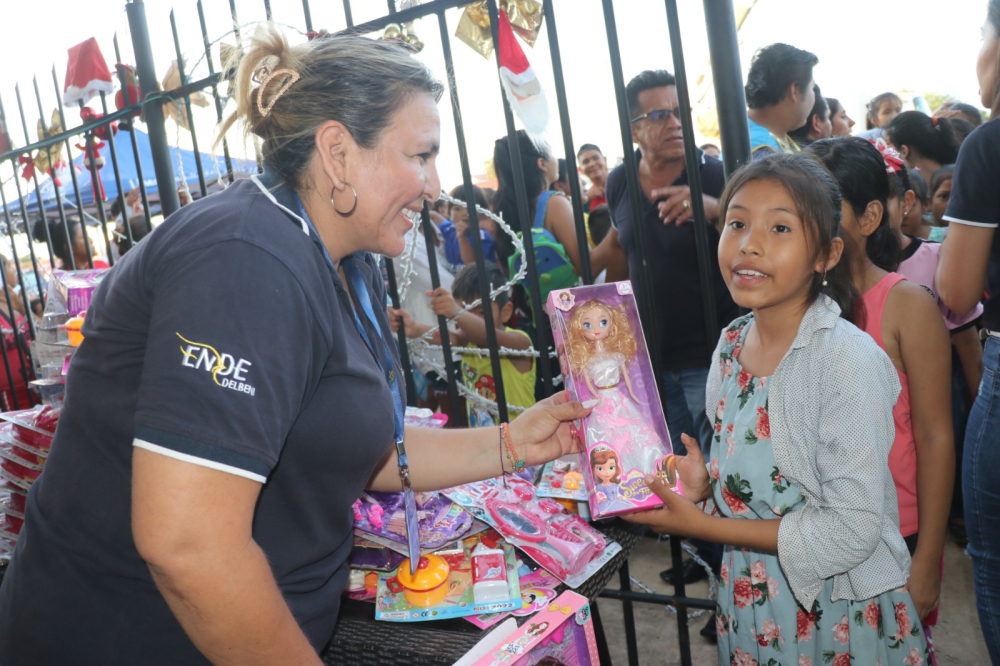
(905, 321)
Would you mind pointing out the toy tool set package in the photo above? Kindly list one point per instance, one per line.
(603, 355)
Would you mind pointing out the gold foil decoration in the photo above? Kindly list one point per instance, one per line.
(46, 157)
(177, 109)
(474, 27)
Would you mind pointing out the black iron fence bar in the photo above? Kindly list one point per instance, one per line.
(727, 78)
(451, 372)
(118, 178)
(646, 306)
(17, 262)
(188, 109)
(73, 178)
(41, 209)
(347, 13)
(307, 15)
(407, 15)
(144, 196)
(683, 637)
(26, 365)
(215, 87)
(694, 179)
(10, 228)
(158, 145)
(477, 241)
(90, 140)
(236, 24)
(631, 644)
(404, 351)
(543, 331)
(679, 602)
(156, 96)
(571, 170)
(392, 6)
(267, 9)
(31, 252)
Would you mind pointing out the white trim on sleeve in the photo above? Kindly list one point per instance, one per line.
(211, 464)
(985, 225)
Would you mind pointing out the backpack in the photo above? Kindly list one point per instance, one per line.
(555, 270)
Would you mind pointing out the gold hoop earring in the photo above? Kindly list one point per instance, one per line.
(334, 201)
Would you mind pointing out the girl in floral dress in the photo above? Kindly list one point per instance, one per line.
(798, 484)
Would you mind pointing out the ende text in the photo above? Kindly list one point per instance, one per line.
(206, 360)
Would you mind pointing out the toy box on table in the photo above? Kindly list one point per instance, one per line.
(562, 634)
(603, 355)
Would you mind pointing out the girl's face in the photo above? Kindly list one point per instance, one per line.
(765, 252)
(596, 324)
(986, 64)
(887, 110)
(607, 470)
(842, 123)
(939, 202)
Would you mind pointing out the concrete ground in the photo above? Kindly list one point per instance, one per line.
(957, 638)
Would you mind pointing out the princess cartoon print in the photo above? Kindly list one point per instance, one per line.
(607, 475)
(601, 345)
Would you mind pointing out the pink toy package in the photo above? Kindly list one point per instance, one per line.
(560, 635)
(603, 355)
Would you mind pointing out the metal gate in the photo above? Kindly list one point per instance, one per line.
(730, 101)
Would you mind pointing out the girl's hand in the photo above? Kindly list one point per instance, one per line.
(397, 316)
(694, 475)
(924, 585)
(678, 515)
(542, 433)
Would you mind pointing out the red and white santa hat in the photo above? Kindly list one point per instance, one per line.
(524, 93)
(87, 74)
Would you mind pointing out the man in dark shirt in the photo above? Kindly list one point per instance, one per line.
(669, 233)
(595, 168)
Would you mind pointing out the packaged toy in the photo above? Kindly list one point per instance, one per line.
(603, 355)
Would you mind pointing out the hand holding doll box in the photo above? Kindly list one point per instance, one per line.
(603, 355)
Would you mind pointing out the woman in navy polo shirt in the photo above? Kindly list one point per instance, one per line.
(238, 389)
(970, 261)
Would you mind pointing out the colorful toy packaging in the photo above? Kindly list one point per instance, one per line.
(560, 635)
(603, 355)
(76, 288)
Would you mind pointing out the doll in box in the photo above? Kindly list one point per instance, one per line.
(601, 344)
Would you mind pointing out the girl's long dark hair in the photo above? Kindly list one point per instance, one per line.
(859, 170)
(505, 200)
(937, 139)
(817, 200)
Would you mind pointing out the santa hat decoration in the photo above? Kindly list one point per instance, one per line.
(520, 83)
(87, 74)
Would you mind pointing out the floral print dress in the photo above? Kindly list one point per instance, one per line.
(758, 620)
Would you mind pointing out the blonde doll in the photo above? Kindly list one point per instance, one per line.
(601, 345)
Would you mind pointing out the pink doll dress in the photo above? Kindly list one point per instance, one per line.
(616, 419)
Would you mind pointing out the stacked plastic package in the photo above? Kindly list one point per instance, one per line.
(25, 440)
(26, 434)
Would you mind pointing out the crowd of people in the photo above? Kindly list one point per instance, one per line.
(879, 259)
(819, 437)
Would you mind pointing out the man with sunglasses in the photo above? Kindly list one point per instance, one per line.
(673, 266)
(780, 97)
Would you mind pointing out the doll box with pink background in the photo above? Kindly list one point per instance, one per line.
(603, 355)
(560, 635)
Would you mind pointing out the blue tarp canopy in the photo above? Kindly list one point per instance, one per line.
(129, 174)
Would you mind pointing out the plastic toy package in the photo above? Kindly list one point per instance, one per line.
(538, 588)
(562, 479)
(443, 587)
(560, 635)
(561, 542)
(603, 355)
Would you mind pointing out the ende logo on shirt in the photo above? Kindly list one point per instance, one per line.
(226, 370)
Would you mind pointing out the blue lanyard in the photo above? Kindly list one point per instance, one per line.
(352, 271)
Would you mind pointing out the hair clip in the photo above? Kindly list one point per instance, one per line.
(893, 162)
(270, 76)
